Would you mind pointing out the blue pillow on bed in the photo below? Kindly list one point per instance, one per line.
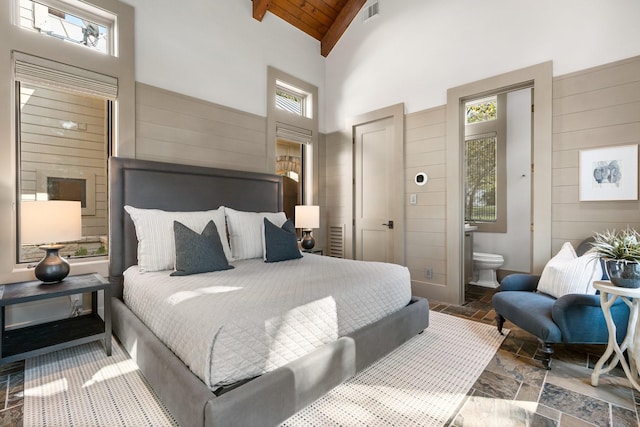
(198, 253)
(281, 243)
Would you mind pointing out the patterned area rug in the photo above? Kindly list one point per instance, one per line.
(81, 386)
(422, 383)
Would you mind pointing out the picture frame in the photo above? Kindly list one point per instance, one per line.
(609, 173)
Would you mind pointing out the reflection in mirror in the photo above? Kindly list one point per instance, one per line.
(63, 149)
(290, 165)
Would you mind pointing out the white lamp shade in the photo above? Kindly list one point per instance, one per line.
(307, 216)
(51, 221)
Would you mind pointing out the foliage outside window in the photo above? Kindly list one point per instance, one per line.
(481, 171)
(485, 163)
(482, 110)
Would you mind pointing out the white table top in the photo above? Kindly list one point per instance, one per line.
(606, 286)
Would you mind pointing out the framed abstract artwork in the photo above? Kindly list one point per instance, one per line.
(609, 173)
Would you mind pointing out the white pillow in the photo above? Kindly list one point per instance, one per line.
(246, 231)
(567, 273)
(154, 229)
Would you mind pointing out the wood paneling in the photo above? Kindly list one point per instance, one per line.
(176, 128)
(426, 220)
(594, 108)
(338, 185)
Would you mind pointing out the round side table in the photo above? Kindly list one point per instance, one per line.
(631, 296)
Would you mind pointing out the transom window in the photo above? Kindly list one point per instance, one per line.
(292, 99)
(77, 25)
(482, 110)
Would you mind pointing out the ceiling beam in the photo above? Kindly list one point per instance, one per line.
(260, 8)
(340, 25)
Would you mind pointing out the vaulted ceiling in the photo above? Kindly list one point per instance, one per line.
(324, 20)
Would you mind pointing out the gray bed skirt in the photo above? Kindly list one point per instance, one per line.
(273, 397)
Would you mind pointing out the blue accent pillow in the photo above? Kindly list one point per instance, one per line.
(198, 253)
(281, 243)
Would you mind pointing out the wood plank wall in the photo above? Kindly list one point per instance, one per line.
(337, 177)
(80, 150)
(176, 128)
(425, 239)
(594, 108)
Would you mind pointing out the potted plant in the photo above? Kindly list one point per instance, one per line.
(621, 254)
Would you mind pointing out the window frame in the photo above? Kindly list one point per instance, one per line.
(121, 67)
(81, 10)
(499, 128)
(307, 125)
(90, 180)
(295, 93)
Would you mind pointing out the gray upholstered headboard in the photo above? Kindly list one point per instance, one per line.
(174, 187)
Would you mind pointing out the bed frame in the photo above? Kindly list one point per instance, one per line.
(272, 397)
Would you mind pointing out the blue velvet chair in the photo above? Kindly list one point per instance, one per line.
(570, 319)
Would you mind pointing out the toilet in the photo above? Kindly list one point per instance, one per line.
(484, 267)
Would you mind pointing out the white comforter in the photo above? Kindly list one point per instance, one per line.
(236, 324)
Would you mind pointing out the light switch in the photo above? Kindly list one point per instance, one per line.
(413, 199)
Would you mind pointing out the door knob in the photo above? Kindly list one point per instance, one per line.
(389, 224)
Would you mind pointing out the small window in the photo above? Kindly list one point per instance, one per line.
(482, 110)
(67, 23)
(293, 100)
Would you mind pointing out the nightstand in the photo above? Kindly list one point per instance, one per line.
(30, 341)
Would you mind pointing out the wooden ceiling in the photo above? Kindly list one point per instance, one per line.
(324, 20)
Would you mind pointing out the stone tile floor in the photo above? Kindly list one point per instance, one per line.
(514, 389)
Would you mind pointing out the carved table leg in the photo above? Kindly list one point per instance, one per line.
(500, 322)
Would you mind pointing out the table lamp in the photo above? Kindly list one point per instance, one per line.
(50, 222)
(307, 218)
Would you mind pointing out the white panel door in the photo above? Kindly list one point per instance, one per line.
(373, 186)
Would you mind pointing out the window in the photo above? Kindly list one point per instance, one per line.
(482, 110)
(292, 127)
(78, 76)
(292, 99)
(64, 128)
(289, 165)
(485, 163)
(71, 21)
(480, 153)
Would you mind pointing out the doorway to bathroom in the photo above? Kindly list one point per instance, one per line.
(539, 78)
(497, 178)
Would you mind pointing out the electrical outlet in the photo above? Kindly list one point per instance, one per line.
(428, 273)
(75, 299)
(413, 199)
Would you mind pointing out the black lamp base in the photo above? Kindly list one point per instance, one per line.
(308, 242)
(52, 269)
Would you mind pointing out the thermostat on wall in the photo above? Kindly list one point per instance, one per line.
(421, 178)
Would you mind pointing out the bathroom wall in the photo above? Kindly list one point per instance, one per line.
(518, 233)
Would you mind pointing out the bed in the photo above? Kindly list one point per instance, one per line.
(270, 397)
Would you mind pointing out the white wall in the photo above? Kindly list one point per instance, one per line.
(216, 51)
(518, 233)
(416, 49)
